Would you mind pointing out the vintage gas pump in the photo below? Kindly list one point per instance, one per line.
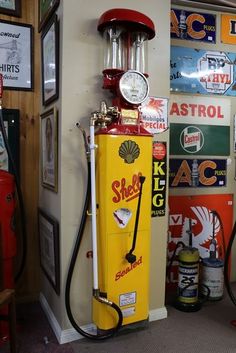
(123, 172)
(121, 149)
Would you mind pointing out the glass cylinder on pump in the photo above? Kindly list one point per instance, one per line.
(114, 56)
(138, 52)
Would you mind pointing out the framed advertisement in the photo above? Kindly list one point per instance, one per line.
(46, 8)
(49, 248)
(50, 61)
(49, 143)
(16, 43)
(10, 7)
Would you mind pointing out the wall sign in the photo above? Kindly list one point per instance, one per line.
(193, 26)
(197, 172)
(159, 178)
(199, 110)
(228, 29)
(198, 209)
(154, 114)
(199, 140)
(199, 125)
(204, 72)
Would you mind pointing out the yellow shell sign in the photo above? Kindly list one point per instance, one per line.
(228, 29)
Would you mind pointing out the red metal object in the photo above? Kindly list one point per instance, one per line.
(7, 241)
(7, 231)
(132, 20)
(119, 129)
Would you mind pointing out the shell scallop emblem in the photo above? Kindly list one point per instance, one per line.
(129, 151)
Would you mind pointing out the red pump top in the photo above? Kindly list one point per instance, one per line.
(131, 19)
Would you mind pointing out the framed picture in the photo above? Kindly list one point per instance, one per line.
(48, 151)
(50, 61)
(49, 248)
(16, 43)
(46, 9)
(10, 7)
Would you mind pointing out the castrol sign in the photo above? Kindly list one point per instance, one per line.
(191, 139)
(215, 72)
(199, 125)
(199, 110)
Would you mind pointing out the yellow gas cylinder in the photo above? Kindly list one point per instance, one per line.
(188, 277)
(120, 161)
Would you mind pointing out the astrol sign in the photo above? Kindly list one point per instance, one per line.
(199, 125)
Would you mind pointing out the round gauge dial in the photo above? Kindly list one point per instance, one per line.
(134, 87)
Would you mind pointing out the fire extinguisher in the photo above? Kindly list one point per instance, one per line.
(121, 185)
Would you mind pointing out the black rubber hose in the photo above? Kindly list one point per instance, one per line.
(173, 258)
(71, 270)
(226, 267)
(20, 198)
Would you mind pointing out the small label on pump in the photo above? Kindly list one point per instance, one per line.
(129, 117)
(127, 299)
(128, 311)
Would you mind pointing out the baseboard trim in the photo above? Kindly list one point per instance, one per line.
(158, 314)
(69, 335)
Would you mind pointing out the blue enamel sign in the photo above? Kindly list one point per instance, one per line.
(201, 71)
(193, 26)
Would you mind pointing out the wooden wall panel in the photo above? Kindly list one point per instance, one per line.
(28, 103)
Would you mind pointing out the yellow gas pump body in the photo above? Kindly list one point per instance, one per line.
(120, 161)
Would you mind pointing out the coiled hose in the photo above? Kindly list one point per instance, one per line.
(70, 273)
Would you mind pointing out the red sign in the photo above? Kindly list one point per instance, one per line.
(207, 214)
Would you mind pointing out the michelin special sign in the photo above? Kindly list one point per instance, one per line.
(197, 172)
(204, 72)
(193, 26)
(199, 125)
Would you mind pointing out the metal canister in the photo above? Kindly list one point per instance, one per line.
(213, 278)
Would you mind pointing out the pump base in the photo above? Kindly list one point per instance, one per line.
(140, 325)
(187, 307)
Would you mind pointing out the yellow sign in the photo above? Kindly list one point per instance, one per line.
(228, 29)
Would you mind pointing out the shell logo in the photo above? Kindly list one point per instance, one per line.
(129, 151)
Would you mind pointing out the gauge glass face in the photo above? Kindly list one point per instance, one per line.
(134, 87)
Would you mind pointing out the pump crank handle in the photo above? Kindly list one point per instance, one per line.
(130, 257)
